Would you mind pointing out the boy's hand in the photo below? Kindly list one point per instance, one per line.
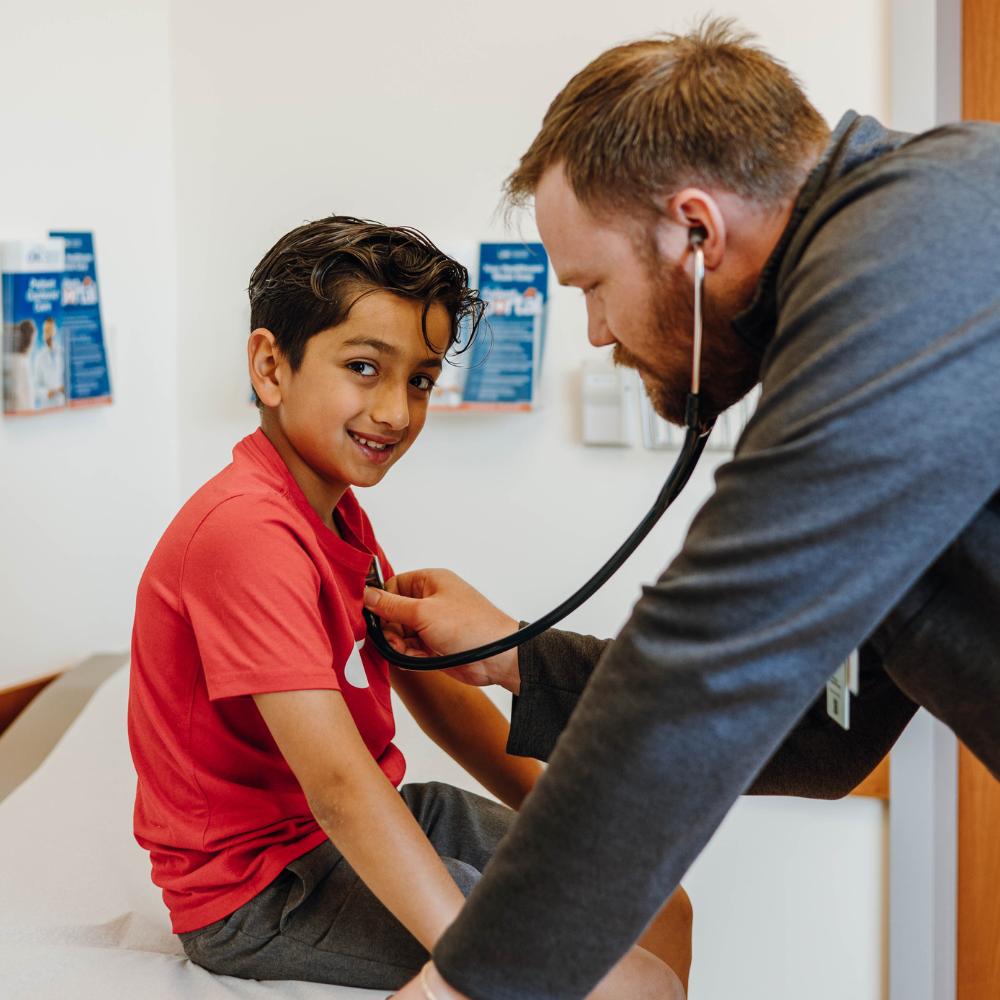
(440, 613)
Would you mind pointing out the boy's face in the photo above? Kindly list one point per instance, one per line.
(359, 399)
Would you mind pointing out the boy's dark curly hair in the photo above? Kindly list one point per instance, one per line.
(312, 277)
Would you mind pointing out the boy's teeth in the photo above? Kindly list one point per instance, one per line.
(369, 444)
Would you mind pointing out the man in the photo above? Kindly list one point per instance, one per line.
(50, 370)
(857, 275)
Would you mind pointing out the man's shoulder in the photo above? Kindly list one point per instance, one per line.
(967, 153)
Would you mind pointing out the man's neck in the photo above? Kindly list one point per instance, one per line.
(754, 230)
(322, 495)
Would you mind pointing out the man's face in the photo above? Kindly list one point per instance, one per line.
(48, 331)
(359, 399)
(640, 298)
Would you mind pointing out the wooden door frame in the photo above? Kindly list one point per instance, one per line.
(978, 924)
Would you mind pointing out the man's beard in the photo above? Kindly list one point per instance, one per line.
(729, 368)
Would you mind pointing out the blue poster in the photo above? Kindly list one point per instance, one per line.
(34, 341)
(504, 369)
(88, 378)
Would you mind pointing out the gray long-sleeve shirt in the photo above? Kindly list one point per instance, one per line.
(862, 504)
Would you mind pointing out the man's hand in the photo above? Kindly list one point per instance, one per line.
(433, 612)
(414, 990)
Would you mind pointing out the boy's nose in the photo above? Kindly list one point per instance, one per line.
(391, 409)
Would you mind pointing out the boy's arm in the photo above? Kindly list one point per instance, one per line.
(469, 728)
(360, 811)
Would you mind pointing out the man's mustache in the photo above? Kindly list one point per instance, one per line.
(624, 358)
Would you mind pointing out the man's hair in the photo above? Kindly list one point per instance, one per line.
(312, 277)
(646, 118)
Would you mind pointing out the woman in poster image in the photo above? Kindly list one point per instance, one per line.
(50, 370)
(22, 396)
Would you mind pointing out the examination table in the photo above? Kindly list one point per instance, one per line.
(79, 916)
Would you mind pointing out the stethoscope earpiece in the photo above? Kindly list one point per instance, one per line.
(697, 236)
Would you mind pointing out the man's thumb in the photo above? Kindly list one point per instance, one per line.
(393, 607)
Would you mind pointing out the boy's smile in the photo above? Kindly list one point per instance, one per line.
(359, 398)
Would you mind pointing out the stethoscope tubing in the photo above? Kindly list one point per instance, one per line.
(694, 444)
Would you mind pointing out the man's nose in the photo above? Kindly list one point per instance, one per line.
(598, 331)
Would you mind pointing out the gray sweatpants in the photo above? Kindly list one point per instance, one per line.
(317, 921)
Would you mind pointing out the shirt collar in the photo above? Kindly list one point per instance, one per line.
(756, 323)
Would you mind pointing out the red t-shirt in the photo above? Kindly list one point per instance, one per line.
(247, 592)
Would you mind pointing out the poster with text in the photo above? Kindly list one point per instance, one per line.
(88, 379)
(504, 363)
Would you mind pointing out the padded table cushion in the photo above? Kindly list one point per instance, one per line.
(79, 915)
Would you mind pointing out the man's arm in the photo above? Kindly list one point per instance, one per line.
(866, 458)
(469, 728)
(554, 669)
(360, 811)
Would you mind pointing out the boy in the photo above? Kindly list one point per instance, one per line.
(259, 718)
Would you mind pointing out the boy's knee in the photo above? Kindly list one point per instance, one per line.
(640, 975)
(680, 904)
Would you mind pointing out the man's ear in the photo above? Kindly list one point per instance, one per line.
(695, 208)
(264, 358)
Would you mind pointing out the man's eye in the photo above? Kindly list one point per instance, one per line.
(423, 382)
(363, 367)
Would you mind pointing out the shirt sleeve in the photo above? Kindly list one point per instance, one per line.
(554, 669)
(251, 593)
(873, 446)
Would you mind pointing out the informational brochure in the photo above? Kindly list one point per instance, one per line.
(54, 353)
(89, 382)
(504, 369)
(34, 343)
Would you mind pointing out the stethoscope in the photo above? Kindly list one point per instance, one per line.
(694, 444)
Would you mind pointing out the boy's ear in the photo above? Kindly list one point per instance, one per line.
(263, 356)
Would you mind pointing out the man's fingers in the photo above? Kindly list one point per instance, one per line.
(392, 607)
(394, 639)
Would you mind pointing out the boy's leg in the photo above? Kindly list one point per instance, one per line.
(460, 824)
(319, 922)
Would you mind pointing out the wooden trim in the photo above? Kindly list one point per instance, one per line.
(978, 791)
(876, 785)
(14, 700)
(978, 880)
(981, 60)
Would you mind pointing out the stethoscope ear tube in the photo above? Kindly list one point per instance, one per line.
(694, 445)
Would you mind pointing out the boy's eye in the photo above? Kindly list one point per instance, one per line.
(422, 382)
(363, 367)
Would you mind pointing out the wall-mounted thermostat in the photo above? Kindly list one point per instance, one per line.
(609, 395)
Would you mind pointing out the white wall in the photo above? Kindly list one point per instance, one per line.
(84, 115)
(406, 113)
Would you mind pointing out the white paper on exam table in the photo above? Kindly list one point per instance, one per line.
(79, 916)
